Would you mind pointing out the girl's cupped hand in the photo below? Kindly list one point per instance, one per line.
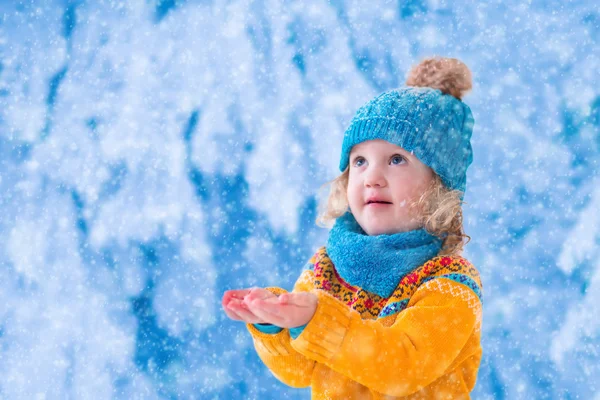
(236, 309)
(259, 306)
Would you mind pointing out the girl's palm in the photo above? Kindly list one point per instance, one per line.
(289, 310)
(235, 308)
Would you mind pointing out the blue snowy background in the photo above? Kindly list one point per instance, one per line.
(154, 154)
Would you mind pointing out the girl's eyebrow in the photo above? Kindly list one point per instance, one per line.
(402, 152)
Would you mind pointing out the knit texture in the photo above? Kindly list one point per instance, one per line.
(377, 263)
(436, 127)
(421, 342)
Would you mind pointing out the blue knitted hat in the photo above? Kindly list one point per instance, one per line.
(426, 117)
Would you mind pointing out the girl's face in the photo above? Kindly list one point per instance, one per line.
(384, 179)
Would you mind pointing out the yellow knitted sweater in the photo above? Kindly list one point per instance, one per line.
(423, 342)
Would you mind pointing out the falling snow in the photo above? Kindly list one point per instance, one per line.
(157, 153)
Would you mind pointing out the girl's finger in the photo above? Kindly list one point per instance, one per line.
(270, 312)
(226, 300)
(246, 315)
(232, 314)
(258, 293)
(301, 299)
(230, 295)
(236, 294)
(274, 307)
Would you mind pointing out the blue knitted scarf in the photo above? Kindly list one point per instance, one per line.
(377, 263)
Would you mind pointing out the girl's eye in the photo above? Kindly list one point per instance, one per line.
(397, 159)
(357, 161)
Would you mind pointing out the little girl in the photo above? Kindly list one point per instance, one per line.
(388, 308)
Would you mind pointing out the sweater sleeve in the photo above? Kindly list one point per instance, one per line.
(400, 359)
(275, 350)
(270, 328)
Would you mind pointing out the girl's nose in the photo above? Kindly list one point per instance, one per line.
(374, 178)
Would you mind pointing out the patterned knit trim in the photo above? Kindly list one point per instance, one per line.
(393, 308)
(317, 268)
(460, 278)
(437, 266)
(344, 283)
(326, 278)
(462, 292)
(371, 306)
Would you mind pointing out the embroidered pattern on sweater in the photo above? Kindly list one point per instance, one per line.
(367, 304)
(460, 278)
(372, 306)
(393, 308)
(444, 286)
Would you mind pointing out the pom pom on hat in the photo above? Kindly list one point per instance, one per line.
(449, 75)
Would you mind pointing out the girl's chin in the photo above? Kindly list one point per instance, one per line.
(379, 230)
(384, 228)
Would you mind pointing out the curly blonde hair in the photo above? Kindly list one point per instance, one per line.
(439, 211)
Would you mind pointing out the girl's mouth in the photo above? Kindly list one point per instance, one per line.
(378, 204)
